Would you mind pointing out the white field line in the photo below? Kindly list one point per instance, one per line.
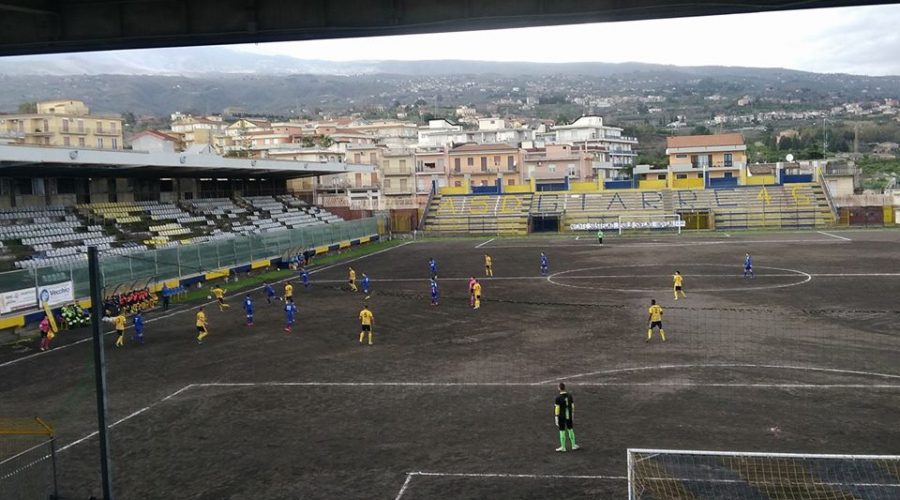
(488, 475)
(194, 308)
(834, 236)
(729, 241)
(616, 276)
(484, 243)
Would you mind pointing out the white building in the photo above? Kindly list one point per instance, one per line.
(590, 130)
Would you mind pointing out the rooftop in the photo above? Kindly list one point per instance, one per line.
(699, 141)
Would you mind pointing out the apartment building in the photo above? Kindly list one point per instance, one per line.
(555, 162)
(590, 130)
(720, 158)
(431, 170)
(483, 164)
(64, 123)
(393, 134)
(398, 184)
(194, 130)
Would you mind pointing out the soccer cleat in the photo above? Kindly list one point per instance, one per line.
(561, 449)
(647, 341)
(199, 342)
(575, 447)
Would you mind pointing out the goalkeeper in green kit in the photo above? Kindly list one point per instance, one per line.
(563, 416)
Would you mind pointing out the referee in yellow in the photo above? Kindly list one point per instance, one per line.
(656, 314)
(678, 284)
(367, 320)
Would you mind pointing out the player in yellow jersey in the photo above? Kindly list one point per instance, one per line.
(288, 292)
(120, 329)
(488, 266)
(678, 283)
(367, 320)
(219, 292)
(351, 279)
(476, 293)
(655, 319)
(201, 326)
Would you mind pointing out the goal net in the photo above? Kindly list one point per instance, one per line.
(668, 474)
(27, 459)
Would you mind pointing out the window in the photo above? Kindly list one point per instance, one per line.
(115, 143)
(357, 158)
(387, 183)
(570, 169)
(358, 180)
(402, 166)
(456, 167)
(661, 177)
(403, 184)
(457, 184)
(99, 127)
(46, 141)
(166, 185)
(551, 168)
(484, 183)
(681, 156)
(112, 127)
(386, 164)
(497, 161)
(470, 162)
(65, 125)
(80, 126)
(681, 176)
(99, 143)
(66, 141)
(373, 158)
(729, 160)
(46, 125)
(24, 187)
(511, 182)
(81, 142)
(484, 164)
(510, 163)
(729, 175)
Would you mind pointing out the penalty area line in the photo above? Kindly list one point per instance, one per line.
(484, 243)
(834, 236)
(499, 475)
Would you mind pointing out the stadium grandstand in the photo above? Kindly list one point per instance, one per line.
(56, 202)
(774, 200)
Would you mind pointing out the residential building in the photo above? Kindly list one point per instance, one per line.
(440, 133)
(590, 130)
(431, 171)
(355, 190)
(191, 130)
(64, 123)
(718, 156)
(483, 165)
(556, 162)
(393, 134)
(398, 182)
(155, 142)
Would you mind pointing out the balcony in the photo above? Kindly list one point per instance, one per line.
(108, 132)
(75, 131)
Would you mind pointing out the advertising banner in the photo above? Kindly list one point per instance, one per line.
(56, 294)
(17, 299)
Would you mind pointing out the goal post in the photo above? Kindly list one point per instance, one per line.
(655, 474)
(27, 459)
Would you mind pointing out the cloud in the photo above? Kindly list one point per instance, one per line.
(861, 40)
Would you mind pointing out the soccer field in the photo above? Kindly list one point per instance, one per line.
(456, 403)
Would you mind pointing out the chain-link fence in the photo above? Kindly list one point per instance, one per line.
(186, 260)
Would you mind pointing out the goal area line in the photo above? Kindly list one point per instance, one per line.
(499, 475)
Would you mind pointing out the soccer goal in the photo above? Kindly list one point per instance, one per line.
(27, 459)
(667, 474)
(654, 222)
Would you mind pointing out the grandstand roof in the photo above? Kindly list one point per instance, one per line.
(36, 161)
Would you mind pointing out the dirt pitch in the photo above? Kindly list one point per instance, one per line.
(456, 403)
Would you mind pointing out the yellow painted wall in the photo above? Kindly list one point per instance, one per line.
(464, 189)
(692, 183)
(888, 215)
(518, 188)
(759, 180)
(653, 184)
(583, 187)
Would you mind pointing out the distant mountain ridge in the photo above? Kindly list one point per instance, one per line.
(209, 79)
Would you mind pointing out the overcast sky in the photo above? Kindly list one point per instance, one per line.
(858, 40)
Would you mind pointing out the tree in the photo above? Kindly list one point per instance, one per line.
(28, 108)
(562, 119)
(701, 130)
(307, 142)
(325, 141)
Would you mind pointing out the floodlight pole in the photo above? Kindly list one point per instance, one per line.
(100, 371)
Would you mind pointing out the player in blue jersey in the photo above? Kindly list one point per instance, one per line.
(138, 322)
(365, 284)
(545, 264)
(748, 266)
(434, 292)
(432, 266)
(248, 308)
(290, 311)
(269, 291)
(304, 277)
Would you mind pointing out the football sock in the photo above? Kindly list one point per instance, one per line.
(572, 436)
(562, 439)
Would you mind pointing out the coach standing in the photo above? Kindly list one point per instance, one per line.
(564, 416)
